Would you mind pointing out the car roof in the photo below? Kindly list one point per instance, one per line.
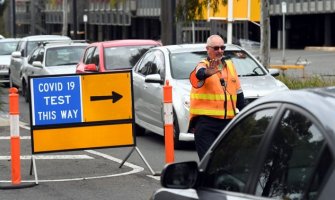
(61, 44)
(45, 37)
(127, 42)
(181, 48)
(10, 40)
(316, 101)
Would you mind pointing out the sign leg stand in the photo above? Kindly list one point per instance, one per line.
(33, 166)
(142, 157)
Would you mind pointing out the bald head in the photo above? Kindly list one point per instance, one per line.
(214, 39)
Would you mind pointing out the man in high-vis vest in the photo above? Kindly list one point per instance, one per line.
(216, 95)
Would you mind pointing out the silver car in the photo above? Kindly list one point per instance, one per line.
(7, 46)
(51, 58)
(24, 48)
(175, 63)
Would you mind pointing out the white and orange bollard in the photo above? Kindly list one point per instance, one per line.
(168, 123)
(15, 135)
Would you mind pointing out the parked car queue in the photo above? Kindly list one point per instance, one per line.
(150, 71)
(175, 63)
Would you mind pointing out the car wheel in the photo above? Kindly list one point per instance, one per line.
(11, 84)
(139, 130)
(176, 131)
(25, 92)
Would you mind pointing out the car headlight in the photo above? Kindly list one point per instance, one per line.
(3, 67)
(186, 101)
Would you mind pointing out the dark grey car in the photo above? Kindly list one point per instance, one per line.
(280, 146)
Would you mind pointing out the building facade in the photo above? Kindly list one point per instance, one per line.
(307, 22)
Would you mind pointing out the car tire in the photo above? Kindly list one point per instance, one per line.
(139, 131)
(25, 91)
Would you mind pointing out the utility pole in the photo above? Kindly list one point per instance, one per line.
(13, 18)
(168, 23)
(74, 5)
(65, 18)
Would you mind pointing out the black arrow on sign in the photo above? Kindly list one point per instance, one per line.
(115, 97)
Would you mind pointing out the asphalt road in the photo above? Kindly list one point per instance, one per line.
(88, 174)
(319, 62)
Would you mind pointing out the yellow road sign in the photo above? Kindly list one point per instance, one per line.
(70, 138)
(107, 97)
(82, 111)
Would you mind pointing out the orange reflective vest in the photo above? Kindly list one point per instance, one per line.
(213, 99)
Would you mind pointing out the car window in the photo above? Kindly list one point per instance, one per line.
(158, 66)
(145, 66)
(244, 64)
(6, 48)
(33, 56)
(40, 55)
(88, 55)
(232, 160)
(64, 55)
(95, 58)
(124, 56)
(182, 64)
(292, 158)
(31, 45)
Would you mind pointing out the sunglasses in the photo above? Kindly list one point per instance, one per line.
(216, 48)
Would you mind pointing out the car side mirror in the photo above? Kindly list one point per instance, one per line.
(37, 64)
(91, 68)
(153, 78)
(274, 72)
(16, 54)
(181, 175)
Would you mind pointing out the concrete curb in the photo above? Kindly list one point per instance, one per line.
(320, 48)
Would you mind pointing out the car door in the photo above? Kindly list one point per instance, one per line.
(35, 71)
(231, 163)
(28, 69)
(297, 161)
(15, 64)
(273, 151)
(148, 95)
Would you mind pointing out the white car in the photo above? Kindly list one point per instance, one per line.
(24, 48)
(7, 46)
(51, 58)
(175, 63)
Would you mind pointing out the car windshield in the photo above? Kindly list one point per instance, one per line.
(64, 55)
(6, 48)
(123, 57)
(182, 64)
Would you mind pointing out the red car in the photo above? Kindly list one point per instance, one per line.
(113, 55)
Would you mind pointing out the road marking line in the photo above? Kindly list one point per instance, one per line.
(21, 137)
(135, 168)
(54, 157)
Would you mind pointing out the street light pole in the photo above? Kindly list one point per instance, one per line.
(74, 5)
(13, 18)
(284, 39)
(85, 22)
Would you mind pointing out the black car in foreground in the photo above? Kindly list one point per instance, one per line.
(280, 146)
